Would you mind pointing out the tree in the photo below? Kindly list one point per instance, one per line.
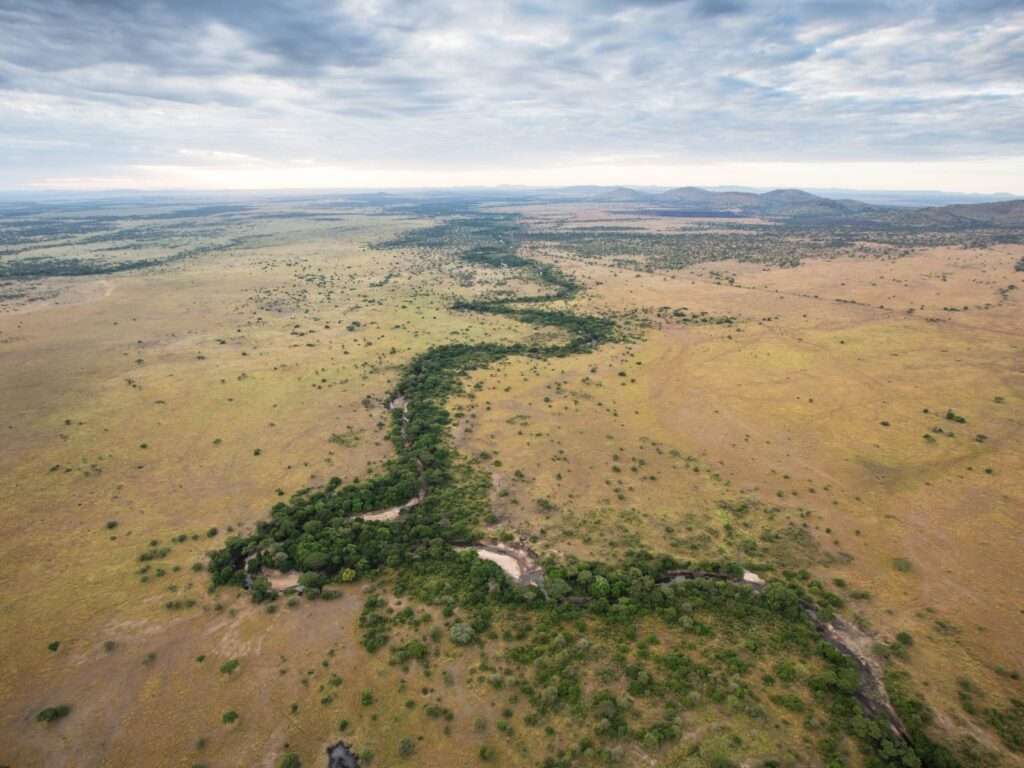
(462, 634)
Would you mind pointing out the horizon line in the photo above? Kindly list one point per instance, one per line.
(43, 190)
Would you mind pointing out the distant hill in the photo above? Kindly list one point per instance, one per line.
(804, 206)
(892, 198)
(779, 202)
(696, 197)
(1003, 214)
(622, 195)
(795, 202)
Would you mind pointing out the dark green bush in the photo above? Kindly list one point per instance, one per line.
(50, 714)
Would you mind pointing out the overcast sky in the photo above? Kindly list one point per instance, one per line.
(321, 93)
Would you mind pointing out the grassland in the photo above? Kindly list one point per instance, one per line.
(158, 404)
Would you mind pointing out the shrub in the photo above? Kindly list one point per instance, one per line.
(462, 634)
(50, 714)
(229, 717)
(289, 760)
(406, 748)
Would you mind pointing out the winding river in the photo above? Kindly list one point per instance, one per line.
(418, 396)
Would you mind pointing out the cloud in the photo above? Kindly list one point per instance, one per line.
(299, 38)
(461, 85)
(719, 7)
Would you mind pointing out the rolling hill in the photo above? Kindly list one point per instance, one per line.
(800, 205)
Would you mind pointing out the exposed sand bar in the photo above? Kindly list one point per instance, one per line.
(507, 563)
(517, 564)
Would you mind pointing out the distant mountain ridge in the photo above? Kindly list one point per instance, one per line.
(798, 204)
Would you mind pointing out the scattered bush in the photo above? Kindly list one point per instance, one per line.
(50, 714)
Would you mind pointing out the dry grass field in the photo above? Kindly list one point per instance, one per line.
(177, 403)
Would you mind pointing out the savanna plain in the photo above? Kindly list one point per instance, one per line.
(510, 482)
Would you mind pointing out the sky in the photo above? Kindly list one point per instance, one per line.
(214, 94)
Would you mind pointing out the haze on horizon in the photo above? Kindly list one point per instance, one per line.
(375, 93)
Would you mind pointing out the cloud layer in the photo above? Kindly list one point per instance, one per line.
(122, 92)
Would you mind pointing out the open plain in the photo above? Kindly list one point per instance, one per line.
(842, 411)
